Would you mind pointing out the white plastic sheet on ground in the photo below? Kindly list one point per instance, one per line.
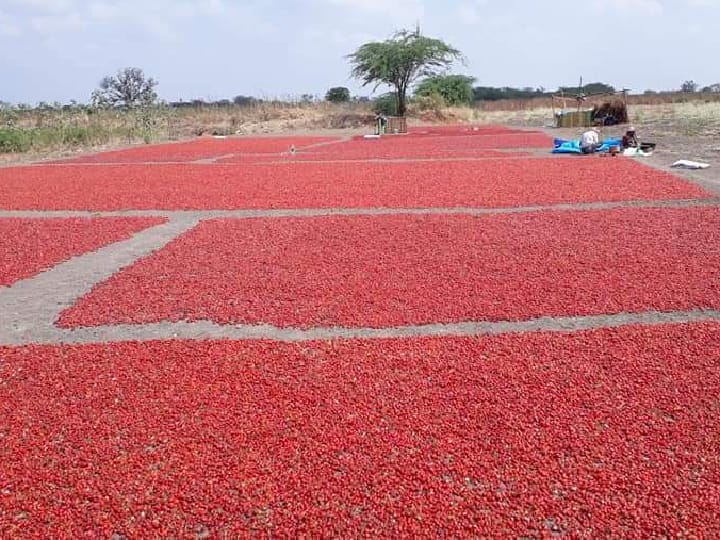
(687, 164)
(636, 152)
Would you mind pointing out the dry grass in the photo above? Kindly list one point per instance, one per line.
(28, 135)
(694, 118)
(268, 118)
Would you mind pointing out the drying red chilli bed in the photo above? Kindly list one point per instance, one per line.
(449, 142)
(400, 270)
(30, 246)
(504, 182)
(410, 146)
(464, 130)
(596, 434)
(207, 148)
(430, 146)
(370, 152)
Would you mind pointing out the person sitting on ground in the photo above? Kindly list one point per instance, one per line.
(590, 141)
(630, 140)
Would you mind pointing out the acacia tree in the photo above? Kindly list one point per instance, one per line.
(689, 87)
(128, 89)
(400, 61)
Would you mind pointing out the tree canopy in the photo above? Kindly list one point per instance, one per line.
(454, 89)
(588, 89)
(400, 61)
(129, 89)
(338, 94)
(689, 87)
(492, 93)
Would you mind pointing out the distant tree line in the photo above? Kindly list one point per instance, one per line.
(690, 87)
(491, 93)
(453, 89)
(334, 95)
(131, 89)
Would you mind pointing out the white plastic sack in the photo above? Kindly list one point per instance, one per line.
(687, 164)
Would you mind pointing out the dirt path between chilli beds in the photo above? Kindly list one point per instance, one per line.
(31, 307)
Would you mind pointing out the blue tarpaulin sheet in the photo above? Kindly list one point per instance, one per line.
(563, 146)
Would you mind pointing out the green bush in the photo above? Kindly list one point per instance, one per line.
(386, 104)
(454, 89)
(14, 140)
(83, 136)
(431, 102)
(44, 137)
(338, 94)
(17, 140)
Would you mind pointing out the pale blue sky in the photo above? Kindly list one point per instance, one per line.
(59, 49)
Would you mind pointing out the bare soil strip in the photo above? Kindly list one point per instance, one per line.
(30, 308)
(205, 330)
(387, 211)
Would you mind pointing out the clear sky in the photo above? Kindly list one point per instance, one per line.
(59, 49)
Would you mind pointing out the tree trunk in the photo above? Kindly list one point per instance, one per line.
(401, 99)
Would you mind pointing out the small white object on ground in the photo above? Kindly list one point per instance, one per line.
(372, 136)
(687, 164)
(636, 152)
